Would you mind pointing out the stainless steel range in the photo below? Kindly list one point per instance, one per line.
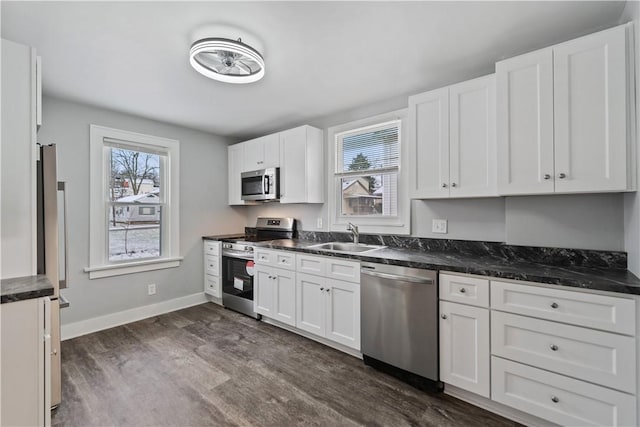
(238, 263)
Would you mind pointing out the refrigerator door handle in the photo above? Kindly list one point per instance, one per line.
(62, 186)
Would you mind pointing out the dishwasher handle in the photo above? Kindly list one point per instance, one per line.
(420, 280)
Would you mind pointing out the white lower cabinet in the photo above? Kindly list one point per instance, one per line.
(212, 283)
(558, 398)
(25, 338)
(464, 347)
(329, 308)
(561, 355)
(275, 294)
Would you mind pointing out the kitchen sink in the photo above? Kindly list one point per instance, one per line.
(346, 247)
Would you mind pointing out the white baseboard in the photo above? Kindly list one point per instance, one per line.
(107, 321)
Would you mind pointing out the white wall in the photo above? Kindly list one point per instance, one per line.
(203, 208)
(632, 200)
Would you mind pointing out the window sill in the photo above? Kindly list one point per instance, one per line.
(99, 272)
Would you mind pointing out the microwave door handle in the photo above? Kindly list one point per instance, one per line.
(265, 184)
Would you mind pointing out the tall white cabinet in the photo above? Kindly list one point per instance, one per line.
(564, 121)
(235, 166)
(452, 144)
(21, 114)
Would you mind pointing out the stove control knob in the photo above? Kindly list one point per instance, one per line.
(249, 249)
(226, 245)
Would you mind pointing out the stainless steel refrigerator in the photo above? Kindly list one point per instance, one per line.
(52, 250)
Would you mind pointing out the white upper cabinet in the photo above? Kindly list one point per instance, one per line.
(301, 165)
(261, 153)
(429, 144)
(472, 139)
(564, 120)
(235, 160)
(525, 123)
(452, 141)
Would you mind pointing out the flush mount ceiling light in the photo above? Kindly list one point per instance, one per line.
(226, 60)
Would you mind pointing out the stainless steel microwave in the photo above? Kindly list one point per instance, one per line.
(261, 185)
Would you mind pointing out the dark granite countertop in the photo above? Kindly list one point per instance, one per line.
(23, 288)
(579, 276)
(223, 236)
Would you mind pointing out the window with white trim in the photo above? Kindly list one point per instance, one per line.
(133, 202)
(367, 183)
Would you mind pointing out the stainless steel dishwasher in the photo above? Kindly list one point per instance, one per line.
(399, 322)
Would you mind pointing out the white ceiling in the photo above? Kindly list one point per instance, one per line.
(322, 57)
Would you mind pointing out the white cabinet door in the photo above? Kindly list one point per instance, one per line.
(472, 143)
(464, 347)
(261, 153)
(429, 144)
(524, 103)
(235, 165)
(301, 165)
(590, 90)
(284, 299)
(343, 313)
(264, 291)
(310, 295)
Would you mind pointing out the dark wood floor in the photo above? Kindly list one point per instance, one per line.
(209, 366)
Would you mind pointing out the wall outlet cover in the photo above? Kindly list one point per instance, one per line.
(319, 223)
(151, 289)
(439, 226)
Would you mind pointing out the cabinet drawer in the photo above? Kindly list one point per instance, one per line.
(280, 259)
(212, 265)
(212, 285)
(311, 264)
(595, 356)
(212, 248)
(265, 256)
(577, 308)
(559, 399)
(343, 270)
(465, 290)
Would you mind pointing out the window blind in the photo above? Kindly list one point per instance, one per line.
(374, 149)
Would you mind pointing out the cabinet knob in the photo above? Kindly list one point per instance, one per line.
(547, 176)
(554, 305)
(554, 347)
(322, 289)
(453, 184)
(328, 290)
(463, 290)
(562, 175)
(444, 316)
(555, 399)
(54, 352)
(444, 185)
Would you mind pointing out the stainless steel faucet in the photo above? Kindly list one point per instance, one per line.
(354, 230)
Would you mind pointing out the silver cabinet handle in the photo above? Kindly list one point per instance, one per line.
(62, 186)
(453, 184)
(554, 305)
(463, 290)
(562, 175)
(397, 277)
(444, 185)
(555, 399)
(547, 176)
(553, 347)
(444, 316)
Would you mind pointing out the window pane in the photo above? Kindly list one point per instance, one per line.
(133, 175)
(373, 149)
(369, 195)
(134, 231)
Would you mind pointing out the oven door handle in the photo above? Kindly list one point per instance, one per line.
(237, 256)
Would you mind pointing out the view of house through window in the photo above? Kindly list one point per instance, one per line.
(135, 211)
(368, 162)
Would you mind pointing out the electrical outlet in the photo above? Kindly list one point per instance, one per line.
(319, 223)
(151, 289)
(439, 226)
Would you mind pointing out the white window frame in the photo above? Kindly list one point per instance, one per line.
(99, 164)
(375, 224)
